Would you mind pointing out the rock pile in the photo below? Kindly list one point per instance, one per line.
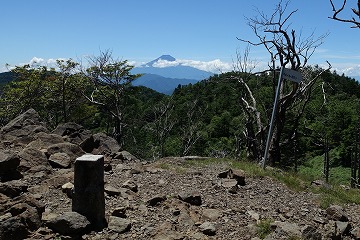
(165, 199)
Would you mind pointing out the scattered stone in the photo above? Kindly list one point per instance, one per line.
(193, 198)
(235, 175)
(342, 228)
(355, 232)
(254, 215)
(129, 184)
(211, 214)
(119, 225)
(112, 191)
(208, 228)
(68, 189)
(310, 233)
(119, 212)
(155, 200)
(125, 157)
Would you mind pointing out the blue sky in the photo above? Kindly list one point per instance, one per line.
(199, 32)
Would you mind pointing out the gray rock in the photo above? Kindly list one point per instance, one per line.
(119, 225)
(119, 212)
(310, 233)
(125, 156)
(69, 223)
(129, 184)
(68, 188)
(112, 191)
(193, 198)
(211, 214)
(155, 200)
(72, 132)
(355, 232)
(60, 160)
(105, 144)
(8, 162)
(20, 131)
(342, 228)
(237, 175)
(13, 188)
(74, 151)
(336, 213)
(208, 228)
(13, 228)
(31, 157)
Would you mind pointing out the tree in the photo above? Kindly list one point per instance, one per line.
(110, 79)
(67, 70)
(339, 10)
(288, 49)
(161, 124)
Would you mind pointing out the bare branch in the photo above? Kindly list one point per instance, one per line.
(338, 11)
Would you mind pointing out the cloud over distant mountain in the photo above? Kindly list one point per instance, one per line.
(215, 66)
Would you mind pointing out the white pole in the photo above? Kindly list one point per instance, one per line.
(273, 116)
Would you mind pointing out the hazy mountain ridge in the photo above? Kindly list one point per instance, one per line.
(164, 74)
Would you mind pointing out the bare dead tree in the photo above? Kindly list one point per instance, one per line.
(163, 122)
(289, 49)
(339, 10)
(191, 131)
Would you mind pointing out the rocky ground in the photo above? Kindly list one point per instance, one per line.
(165, 199)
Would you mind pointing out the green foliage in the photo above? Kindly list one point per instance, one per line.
(263, 228)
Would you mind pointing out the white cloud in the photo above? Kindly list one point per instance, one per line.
(164, 63)
(37, 62)
(215, 66)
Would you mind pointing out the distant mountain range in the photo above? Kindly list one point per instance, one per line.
(164, 74)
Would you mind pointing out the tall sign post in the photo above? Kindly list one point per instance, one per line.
(288, 74)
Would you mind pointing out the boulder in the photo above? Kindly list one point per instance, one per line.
(31, 157)
(8, 162)
(72, 132)
(22, 128)
(8, 167)
(72, 150)
(336, 213)
(100, 143)
(69, 223)
(22, 216)
(13, 188)
(60, 160)
(43, 140)
(13, 228)
(125, 156)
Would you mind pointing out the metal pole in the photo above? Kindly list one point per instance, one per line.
(273, 116)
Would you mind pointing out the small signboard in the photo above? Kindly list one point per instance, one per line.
(292, 75)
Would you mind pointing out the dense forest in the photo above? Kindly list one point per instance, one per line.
(206, 118)
(227, 115)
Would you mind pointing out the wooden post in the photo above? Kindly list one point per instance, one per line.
(88, 198)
